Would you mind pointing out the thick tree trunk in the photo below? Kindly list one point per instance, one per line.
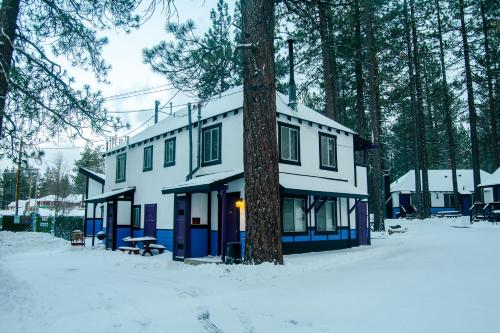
(374, 107)
(360, 124)
(447, 111)
(413, 111)
(491, 100)
(262, 192)
(9, 12)
(329, 63)
(470, 103)
(422, 146)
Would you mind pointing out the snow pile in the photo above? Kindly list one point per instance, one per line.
(440, 276)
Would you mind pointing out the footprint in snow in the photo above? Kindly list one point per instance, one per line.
(204, 317)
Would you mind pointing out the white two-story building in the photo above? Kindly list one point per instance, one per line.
(171, 181)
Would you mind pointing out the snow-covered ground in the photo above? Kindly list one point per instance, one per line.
(443, 275)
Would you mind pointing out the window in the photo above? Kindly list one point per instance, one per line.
(326, 216)
(289, 143)
(169, 152)
(121, 167)
(211, 145)
(136, 216)
(328, 152)
(147, 162)
(294, 215)
(448, 200)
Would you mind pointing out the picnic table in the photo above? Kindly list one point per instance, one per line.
(448, 213)
(147, 242)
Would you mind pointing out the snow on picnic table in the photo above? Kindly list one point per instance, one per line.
(441, 276)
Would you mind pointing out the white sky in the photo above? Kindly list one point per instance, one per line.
(128, 73)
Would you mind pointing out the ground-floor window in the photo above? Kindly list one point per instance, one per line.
(294, 215)
(136, 216)
(326, 216)
(448, 200)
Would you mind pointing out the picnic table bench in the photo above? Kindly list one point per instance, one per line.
(130, 249)
(158, 247)
(448, 213)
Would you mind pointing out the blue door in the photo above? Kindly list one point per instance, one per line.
(465, 203)
(361, 213)
(496, 193)
(150, 220)
(109, 226)
(180, 227)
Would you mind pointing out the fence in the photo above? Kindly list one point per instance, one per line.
(61, 227)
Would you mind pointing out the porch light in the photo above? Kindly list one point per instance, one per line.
(240, 204)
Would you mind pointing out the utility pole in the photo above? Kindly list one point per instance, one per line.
(18, 177)
(157, 105)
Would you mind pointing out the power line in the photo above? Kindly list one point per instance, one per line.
(135, 91)
(136, 95)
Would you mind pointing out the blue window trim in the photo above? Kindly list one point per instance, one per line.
(326, 167)
(335, 219)
(171, 163)
(280, 125)
(293, 233)
(144, 167)
(136, 227)
(219, 160)
(117, 179)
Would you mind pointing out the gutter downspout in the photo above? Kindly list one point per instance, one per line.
(190, 128)
(198, 155)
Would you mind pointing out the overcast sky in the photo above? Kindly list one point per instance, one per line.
(128, 73)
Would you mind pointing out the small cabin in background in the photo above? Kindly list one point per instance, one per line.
(440, 189)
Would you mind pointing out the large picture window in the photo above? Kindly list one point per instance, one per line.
(169, 152)
(294, 215)
(326, 216)
(211, 145)
(121, 167)
(328, 151)
(147, 163)
(289, 143)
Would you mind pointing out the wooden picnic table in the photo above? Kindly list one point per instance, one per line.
(146, 241)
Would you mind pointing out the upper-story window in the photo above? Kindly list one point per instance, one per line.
(121, 167)
(328, 152)
(169, 152)
(326, 217)
(147, 162)
(294, 215)
(211, 145)
(289, 143)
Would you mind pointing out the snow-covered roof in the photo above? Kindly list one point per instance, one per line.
(110, 194)
(229, 100)
(99, 177)
(202, 183)
(73, 198)
(439, 181)
(304, 184)
(22, 203)
(491, 180)
(50, 197)
(292, 182)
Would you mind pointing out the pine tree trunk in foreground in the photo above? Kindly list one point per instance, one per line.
(413, 110)
(9, 11)
(422, 146)
(470, 103)
(360, 124)
(331, 98)
(374, 107)
(262, 192)
(447, 111)
(491, 100)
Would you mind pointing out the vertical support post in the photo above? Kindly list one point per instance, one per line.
(223, 198)
(93, 222)
(115, 224)
(348, 223)
(18, 176)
